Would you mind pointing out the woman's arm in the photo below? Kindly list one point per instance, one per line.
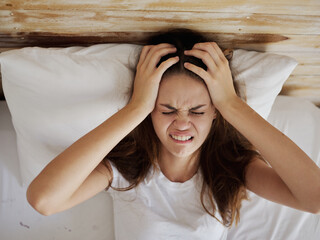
(294, 179)
(55, 188)
(60, 179)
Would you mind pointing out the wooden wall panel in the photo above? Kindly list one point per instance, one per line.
(258, 42)
(307, 87)
(287, 27)
(292, 7)
(84, 21)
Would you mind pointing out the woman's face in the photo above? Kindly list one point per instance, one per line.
(182, 116)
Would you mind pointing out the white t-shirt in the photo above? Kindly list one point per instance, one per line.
(161, 209)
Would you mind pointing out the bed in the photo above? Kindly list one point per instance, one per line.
(289, 28)
(93, 219)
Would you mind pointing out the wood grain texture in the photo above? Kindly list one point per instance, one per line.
(238, 40)
(75, 22)
(254, 41)
(287, 27)
(292, 7)
(307, 87)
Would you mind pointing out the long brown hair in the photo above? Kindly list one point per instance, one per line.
(224, 156)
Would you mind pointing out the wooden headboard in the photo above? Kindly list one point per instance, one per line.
(287, 27)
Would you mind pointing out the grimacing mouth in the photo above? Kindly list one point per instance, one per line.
(176, 139)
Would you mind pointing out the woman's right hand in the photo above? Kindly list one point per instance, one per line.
(148, 75)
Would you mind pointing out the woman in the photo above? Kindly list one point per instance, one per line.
(181, 154)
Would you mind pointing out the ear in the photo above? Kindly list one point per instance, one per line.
(214, 114)
(214, 111)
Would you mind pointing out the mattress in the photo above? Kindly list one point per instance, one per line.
(93, 219)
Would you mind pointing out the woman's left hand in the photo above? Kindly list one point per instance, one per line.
(218, 77)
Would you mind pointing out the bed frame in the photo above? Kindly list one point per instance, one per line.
(287, 27)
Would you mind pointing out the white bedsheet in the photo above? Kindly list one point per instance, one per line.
(93, 219)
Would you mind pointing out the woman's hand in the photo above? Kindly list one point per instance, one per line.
(218, 77)
(148, 75)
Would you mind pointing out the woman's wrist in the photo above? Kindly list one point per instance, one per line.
(230, 106)
(138, 108)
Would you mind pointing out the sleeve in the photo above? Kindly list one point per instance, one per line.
(118, 181)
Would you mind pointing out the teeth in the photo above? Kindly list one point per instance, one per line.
(181, 138)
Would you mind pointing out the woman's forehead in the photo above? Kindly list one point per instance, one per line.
(183, 90)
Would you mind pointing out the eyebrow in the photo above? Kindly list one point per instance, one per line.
(172, 108)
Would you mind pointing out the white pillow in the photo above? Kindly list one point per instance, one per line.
(55, 96)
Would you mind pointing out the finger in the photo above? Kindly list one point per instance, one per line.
(208, 47)
(219, 51)
(167, 64)
(197, 70)
(204, 56)
(159, 54)
(143, 54)
(156, 48)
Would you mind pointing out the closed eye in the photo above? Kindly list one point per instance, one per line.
(167, 113)
(197, 113)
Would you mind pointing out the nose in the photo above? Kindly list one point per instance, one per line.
(182, 121)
